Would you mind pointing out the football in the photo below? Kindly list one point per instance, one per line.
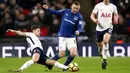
(73, 67)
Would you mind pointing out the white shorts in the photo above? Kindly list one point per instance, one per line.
(67, 43)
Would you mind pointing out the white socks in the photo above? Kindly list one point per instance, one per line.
(104, 51)
(59, 65)
(27, 64)
(30, 62)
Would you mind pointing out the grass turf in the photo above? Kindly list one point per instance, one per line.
(86, 65)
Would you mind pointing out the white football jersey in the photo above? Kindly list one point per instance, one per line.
(33, 40)
(105, 14)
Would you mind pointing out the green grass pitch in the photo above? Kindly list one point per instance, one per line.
(86, 65)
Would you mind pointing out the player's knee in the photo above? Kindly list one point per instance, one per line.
(53, 62)
(105, 42)
(73, 54)
(35, 60)
(100, 45)
(62, 54)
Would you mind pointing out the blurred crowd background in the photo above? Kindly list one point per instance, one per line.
(21, 14)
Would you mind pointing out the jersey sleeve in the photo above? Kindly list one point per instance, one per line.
(115, 10)
(56, 12)
(80, 23)
(95, 10)
(28, 33)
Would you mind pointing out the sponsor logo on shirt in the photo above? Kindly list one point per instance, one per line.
(69, 21)
(105, 15)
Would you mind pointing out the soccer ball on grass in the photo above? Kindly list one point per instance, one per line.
(73, 67)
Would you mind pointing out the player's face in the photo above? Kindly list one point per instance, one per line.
(106, 1)
(37, 32)
(75, 8)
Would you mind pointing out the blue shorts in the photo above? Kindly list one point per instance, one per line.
(43, 57)
(100, 34)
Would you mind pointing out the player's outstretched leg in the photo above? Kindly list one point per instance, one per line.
(59, 55)
(68, 61)
(49, 66)
(25, 65)
(34, 59)
(73, 53)
(55, 63)
(14, 70)
(56, 57)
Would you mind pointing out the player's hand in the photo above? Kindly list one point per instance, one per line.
(77, 32)
(10, 30)
(45, 6)
(96, 21)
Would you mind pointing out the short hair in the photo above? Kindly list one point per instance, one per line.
(76, 3)
(34, 27)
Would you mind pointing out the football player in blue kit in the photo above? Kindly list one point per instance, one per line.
(71, 18)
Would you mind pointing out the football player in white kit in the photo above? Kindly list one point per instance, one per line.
(38, 55)
(104, 15)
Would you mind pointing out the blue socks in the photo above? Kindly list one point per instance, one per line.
(69, 60)
(56, 57)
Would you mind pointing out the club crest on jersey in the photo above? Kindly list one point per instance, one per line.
(66, 14)
(75, 18)
(105, 15)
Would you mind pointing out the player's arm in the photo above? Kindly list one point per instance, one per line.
(80, 22)
(93, 15)
(93, 18)
(17, 32)
(80, 26)
(59, 12)
(115, 18)
(79, 29)
(115, 14)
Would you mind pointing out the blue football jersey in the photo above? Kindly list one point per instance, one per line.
(69, 22)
